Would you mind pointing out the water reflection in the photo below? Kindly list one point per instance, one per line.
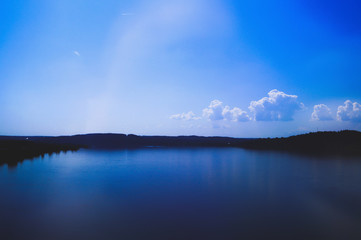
(181, 194)
(12, 162)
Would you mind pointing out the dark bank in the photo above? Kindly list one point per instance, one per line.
(344, 143)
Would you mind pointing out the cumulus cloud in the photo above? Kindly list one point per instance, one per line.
(278, 106)
(235, 114)
(216, 111)
(185, 116)
(321, 113)
(349, 112)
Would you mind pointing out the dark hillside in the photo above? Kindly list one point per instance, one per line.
(343, 142)
(118, 141)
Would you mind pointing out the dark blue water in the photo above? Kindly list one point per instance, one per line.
(158, 193)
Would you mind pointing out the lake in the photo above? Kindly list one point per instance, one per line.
(181, 193)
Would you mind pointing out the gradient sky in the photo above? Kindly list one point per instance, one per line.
(229, 68)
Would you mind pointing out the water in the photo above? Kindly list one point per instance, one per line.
(158, 193)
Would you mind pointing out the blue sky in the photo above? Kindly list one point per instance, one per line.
(227, 68)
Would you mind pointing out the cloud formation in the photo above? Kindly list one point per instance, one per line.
(278, 106)
(235, 114)
(349, 112)
(76, 53)
(216, 111)
(321, 113)
(185, 116)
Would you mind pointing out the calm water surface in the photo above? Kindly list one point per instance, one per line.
(157, 193)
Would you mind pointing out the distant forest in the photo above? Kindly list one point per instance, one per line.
(18, 148)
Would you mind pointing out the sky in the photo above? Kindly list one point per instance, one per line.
(180, 67)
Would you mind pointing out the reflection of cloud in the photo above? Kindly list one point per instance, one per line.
(278, 106)
(185, 116)
(349, 112)
(321, 113)
(76, 53)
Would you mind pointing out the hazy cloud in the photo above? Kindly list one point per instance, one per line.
(127, 14)
(278, 106)
(185, 116)
(76, 53)
(349, 112)
(321, 113)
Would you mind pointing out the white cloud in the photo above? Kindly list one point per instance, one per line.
(278, 106)
(216, 111)
(349, 112)
(185, 116)
(235, 114)
(321, 113)
(76, 53)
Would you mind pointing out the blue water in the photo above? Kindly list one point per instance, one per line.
(190, 193)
